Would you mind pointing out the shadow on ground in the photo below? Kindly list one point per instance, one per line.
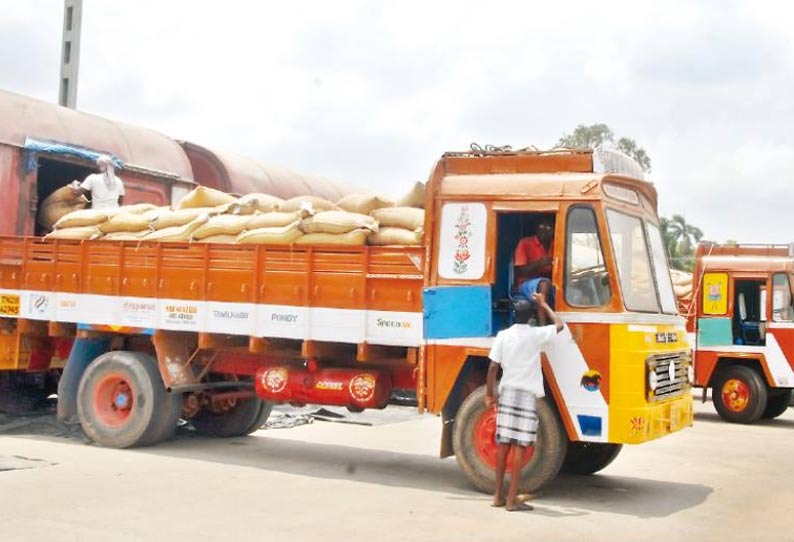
(565, 497)
(713, 417)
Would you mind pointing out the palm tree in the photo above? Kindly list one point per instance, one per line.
(668, 239)
(684, 236)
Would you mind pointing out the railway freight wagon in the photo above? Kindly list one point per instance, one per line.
(218, 333)
(44, 147)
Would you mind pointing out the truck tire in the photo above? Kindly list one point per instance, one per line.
(777, 403)
(475, 445)
(589, 457)
(739, 394)
(245, 417)
(122, 402)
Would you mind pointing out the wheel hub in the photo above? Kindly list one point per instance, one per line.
(113, 400)
(735, 395)
(485, 443)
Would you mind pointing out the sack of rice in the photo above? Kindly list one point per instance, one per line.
(58, 204)
(355, 237)
(83, 217)
(126, 235)
(137, 208)
(407, 218)
(284, 235)
(79, 232)
(312, 204)
(338, 222)
(126, 222)
(225, 239)
(180, 217)
(177, 233)
(203, 196)
(414, 198)
(362, 203)
(222, 225)
(681, 278)
(395, 236)
(274, 219)
(264, 203)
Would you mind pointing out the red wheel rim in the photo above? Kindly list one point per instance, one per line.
(485, 441)
(735, 395)
(113, 400)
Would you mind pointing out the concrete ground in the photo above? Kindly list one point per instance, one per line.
(331, 481)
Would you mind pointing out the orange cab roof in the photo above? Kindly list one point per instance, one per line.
(558, 174)
(745, 258)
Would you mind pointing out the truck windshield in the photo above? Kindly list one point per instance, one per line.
(662, 271)
(630, 246)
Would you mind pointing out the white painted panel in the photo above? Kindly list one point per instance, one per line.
(337, 325)
(138, 312)
(38, 305)
(283, 321)
(98, 309)
(569, 365)
(231, 318)
(178, 315)
(394, 328)
(67, 308)
(461, 253)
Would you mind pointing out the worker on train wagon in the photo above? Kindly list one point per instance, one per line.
(105, 188)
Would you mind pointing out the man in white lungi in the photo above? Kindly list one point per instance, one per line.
(517, 351)
(105, 188)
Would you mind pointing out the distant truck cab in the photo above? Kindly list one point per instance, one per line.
(211, 333)
(741, 322)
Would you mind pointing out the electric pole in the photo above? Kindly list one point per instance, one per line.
(70, 52)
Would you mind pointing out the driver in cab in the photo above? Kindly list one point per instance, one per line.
(532, 265)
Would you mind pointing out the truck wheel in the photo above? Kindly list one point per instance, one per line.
(474, 441)
(122, 402)
(589, 457)
(242, 418)
(739, 394)
(777, 403)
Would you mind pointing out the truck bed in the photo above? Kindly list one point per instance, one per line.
(329, 293)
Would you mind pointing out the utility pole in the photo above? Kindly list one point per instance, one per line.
(70, 52)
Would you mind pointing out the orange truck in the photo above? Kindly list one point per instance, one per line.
(741, 325)
(218, 333)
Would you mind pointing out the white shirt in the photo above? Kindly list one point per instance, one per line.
(517, 349)
(102, 196)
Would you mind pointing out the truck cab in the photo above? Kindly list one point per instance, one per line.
(741, 323)
(621, 371)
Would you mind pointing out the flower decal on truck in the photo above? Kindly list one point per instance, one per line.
(462, 234)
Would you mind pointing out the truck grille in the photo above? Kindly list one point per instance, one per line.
(665, 366)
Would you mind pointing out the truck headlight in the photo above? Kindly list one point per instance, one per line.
(653, 380)
(690, 373)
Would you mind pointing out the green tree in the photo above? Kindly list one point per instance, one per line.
(680, 238)
(598, 134)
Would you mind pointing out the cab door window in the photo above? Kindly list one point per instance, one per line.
(586, 278)
(781, 299)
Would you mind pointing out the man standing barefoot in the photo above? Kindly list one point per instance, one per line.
(517, 351)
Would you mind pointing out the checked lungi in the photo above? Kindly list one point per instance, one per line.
(516, 417)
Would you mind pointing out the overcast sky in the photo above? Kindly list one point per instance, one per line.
(372, 94)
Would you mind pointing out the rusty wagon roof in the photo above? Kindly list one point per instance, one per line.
(242, 175)
(25, 117)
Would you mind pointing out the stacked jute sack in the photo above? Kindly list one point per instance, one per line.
(682, 284)
(210, 216)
